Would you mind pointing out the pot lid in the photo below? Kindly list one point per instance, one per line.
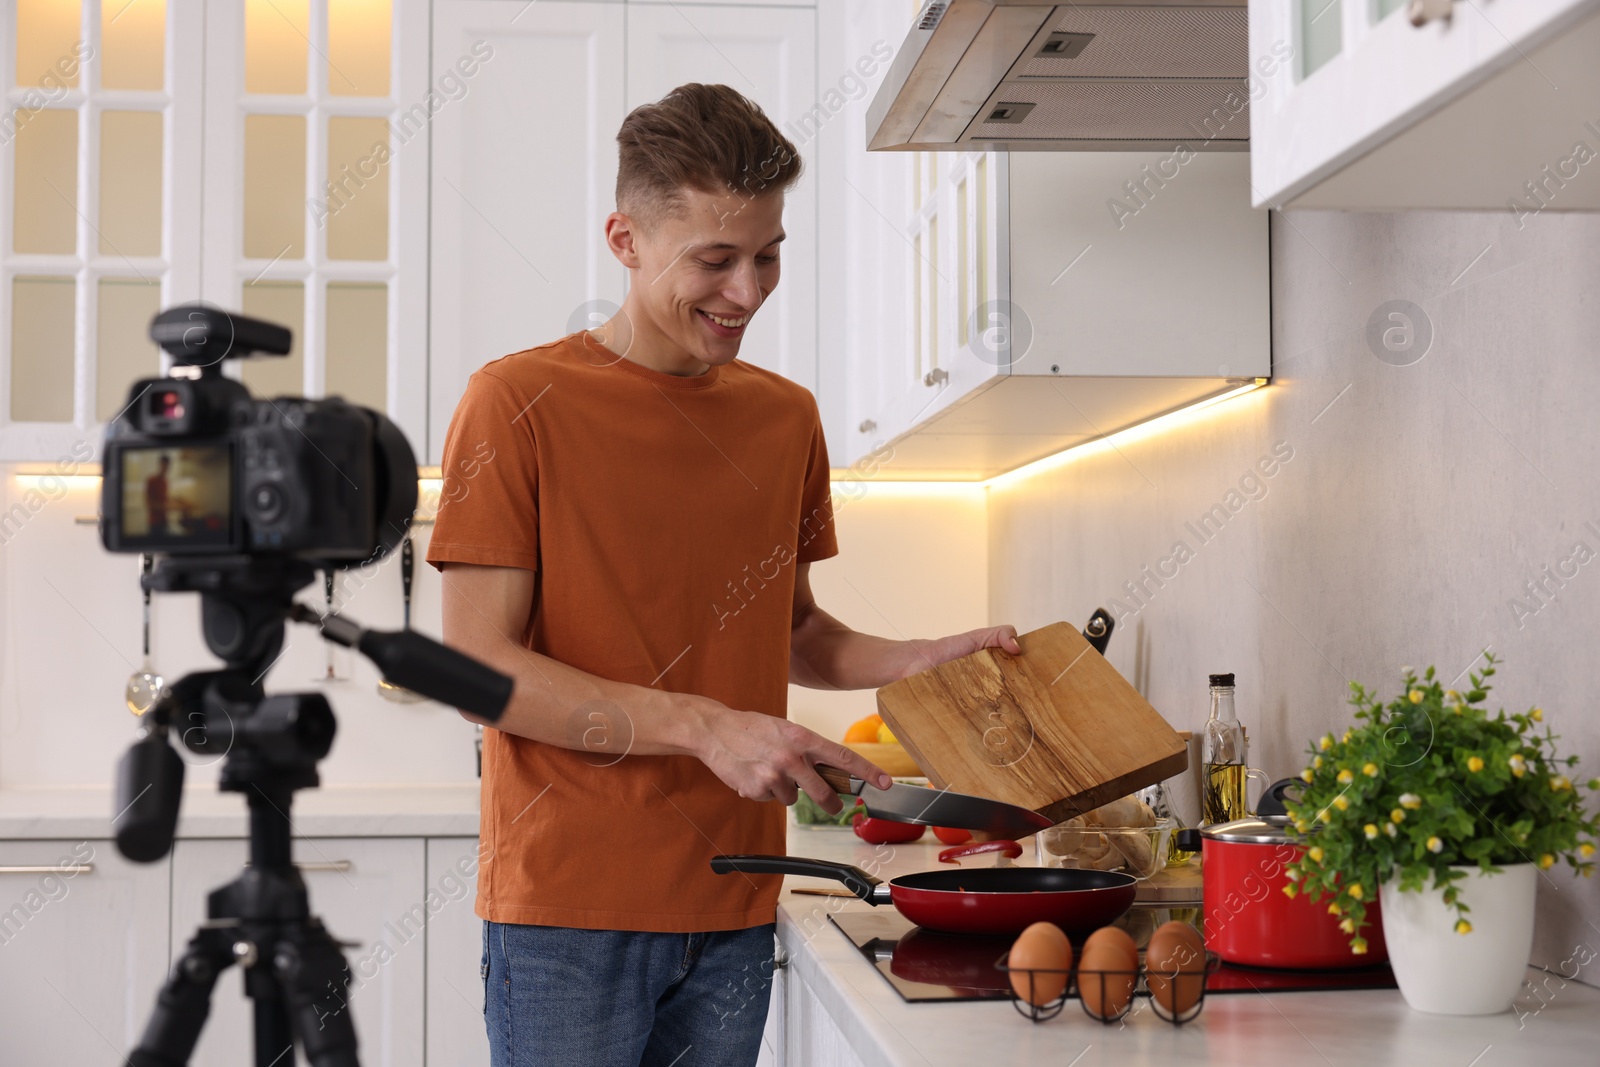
(1256, 830)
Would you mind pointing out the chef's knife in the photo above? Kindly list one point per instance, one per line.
(937, 807)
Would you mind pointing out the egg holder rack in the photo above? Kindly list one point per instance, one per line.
(1138, 982)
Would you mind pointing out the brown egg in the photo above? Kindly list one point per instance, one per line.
(1107, 971)
(1175, 966)
(1042, 946)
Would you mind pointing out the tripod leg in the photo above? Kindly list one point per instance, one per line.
(184, 1001)
(313, 975)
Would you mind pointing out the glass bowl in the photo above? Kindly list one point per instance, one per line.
(1139, 850)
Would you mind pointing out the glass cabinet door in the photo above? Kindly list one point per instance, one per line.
(317, 145)
(99, 148)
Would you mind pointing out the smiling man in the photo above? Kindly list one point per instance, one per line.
(628, 518)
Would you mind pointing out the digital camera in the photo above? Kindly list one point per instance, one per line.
(196, 466)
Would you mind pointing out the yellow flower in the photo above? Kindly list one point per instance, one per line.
(1416, 696)
(1389, 829)
(1341, 802)
(1345, 777)
(1346, 737)
(1435, 845)
(1370, 830)
(1397, 815)
(1519, 766)
(1290, 890)
(1410, 800)
(1326, 742)
(1324, 816)
(1301, 825)
(1586, 850)
(1536, 715)
(1347, 925)
(1474, 764)
(1317, 762)
(1315, 853)
(1370, 770)
(1334, 909)
(1358, 947)
(1307, 774)
(1451, 696)
(1355, 891)
(1559, 782)
(1463, 927)
(1546, 861)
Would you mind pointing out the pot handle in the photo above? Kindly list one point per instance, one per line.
(1272, 798)
(854, 879)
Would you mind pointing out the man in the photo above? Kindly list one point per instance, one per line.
(630, 514)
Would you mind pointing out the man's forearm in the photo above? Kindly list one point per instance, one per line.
(561, 705)
(824, 653)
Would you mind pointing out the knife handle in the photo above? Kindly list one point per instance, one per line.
(840, 781)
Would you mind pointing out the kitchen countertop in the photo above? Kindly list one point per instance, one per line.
(445, 810)
(1362, 1028)
(1365, 1028)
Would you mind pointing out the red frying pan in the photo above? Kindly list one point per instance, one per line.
(991, 900)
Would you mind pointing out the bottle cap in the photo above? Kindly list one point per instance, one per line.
(1222, 679)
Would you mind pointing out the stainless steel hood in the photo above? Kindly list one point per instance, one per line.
(1115, 75)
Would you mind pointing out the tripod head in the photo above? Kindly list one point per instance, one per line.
(270, 744)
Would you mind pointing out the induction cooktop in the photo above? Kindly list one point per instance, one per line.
(925, 965)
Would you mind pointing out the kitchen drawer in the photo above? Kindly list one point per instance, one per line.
(83, 950)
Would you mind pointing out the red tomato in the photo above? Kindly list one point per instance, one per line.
(952, 836)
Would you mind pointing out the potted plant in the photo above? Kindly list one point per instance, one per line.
(1449, 814)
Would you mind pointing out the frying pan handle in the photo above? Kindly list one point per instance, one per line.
(840, 781)
(854, 879)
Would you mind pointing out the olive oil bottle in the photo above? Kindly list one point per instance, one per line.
(1222, 757)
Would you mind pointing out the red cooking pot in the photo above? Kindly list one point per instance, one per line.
(1248, 918)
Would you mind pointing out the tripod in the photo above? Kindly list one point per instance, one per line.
(295, 973)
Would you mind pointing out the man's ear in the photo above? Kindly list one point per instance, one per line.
(621, 237)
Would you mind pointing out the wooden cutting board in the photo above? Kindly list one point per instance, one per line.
(1055, 729)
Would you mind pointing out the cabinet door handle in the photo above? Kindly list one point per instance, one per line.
(339, 866)
(867, 426)
(69, 868)
(935, 376)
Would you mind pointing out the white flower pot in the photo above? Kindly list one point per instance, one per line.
(1441, 971)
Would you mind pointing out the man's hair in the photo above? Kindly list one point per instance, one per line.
(706, 137)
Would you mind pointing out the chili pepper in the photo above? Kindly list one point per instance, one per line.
(885, 831)
(953, 855)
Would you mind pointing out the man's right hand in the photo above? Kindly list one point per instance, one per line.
(763, 757)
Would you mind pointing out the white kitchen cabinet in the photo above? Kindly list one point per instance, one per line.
(83, 950)
(100, 169)
(768, 54)
(521, 187)
(316, 178)
(524, 168)
(1353, 107)
(811, 1037)
(1057, 297)
(367, 890)
(456, 1034)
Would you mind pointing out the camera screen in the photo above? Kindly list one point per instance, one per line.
(177, 496)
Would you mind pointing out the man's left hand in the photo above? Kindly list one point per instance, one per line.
(926, 654)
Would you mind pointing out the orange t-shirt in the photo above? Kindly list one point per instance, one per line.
(664, 516)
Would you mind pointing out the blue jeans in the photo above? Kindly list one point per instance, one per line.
(621, 998)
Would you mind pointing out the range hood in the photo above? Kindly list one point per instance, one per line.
(1113, 76)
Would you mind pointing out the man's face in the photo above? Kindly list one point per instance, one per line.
(703, 272)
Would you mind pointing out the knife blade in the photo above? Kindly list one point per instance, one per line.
(937, 807)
